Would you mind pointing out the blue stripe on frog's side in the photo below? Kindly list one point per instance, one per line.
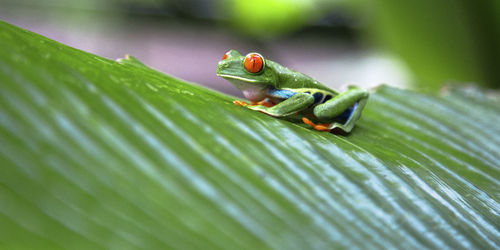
(281, 93)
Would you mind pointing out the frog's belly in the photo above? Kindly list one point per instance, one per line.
(251, 91)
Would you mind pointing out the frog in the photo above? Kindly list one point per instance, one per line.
(284, 93)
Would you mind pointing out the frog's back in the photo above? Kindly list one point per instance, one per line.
(295, 80)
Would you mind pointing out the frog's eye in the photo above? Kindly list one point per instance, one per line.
(254, 62)
(226, 55)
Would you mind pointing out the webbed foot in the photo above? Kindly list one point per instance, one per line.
(240, 103)
(266, 103)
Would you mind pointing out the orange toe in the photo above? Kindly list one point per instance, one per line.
(319, 127)
(267, 103)
(240, 103)
(308, 122)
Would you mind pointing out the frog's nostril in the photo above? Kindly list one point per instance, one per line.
(223, 64)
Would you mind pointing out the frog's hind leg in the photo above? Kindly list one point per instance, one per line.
(351, 121)
(338, 106)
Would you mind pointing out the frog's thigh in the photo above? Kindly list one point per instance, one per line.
(292, 105)
(349, 125)
(340, 103)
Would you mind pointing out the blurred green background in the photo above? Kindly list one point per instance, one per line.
(414, 43)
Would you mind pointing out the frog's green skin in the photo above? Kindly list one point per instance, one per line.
(296, 94)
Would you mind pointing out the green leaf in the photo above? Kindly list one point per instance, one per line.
(102, 154)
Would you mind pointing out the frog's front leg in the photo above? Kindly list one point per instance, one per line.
(266, 102)
(354, 97)
(292, 105)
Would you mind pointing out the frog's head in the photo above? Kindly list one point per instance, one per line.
(253, 74)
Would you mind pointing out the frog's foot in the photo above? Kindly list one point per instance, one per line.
(266, 103)
(319, 126)
(240, 103)
(262, 109)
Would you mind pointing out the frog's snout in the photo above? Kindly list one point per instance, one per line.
(221, 66)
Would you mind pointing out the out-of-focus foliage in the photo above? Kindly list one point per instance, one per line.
(266, 19)
(441, 41)
(97, 154)
(444, 40)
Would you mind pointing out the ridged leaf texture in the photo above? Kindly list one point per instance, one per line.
(96, 154)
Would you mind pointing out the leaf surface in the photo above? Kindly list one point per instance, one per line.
(96, 153)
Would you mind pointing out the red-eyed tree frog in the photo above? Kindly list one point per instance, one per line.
(282, 92)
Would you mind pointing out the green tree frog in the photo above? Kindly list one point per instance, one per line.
(281, 92)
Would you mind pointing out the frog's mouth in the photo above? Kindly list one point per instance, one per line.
(231, 77)
(251, 88)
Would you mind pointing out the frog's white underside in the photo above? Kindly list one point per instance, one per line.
(251, 91)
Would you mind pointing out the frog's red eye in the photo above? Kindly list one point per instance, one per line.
(254, 62)
(226, 55)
